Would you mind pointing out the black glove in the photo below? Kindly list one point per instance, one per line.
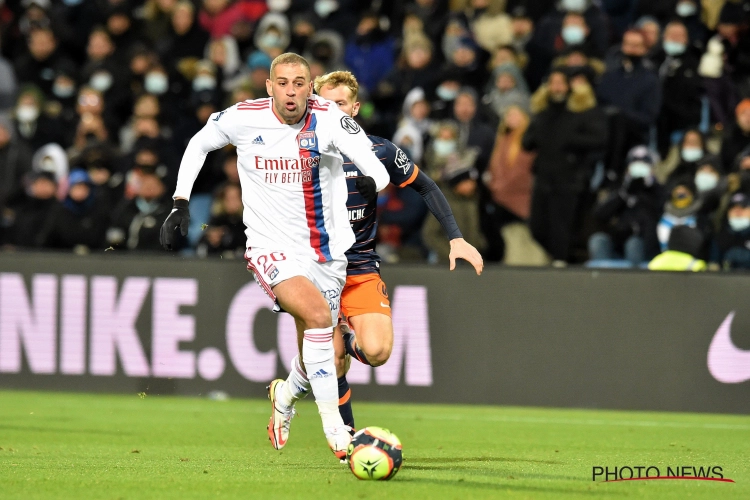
(179, 217)
(366, 187)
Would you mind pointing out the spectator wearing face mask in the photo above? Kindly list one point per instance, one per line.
(692, 151)
(15, 162)
(565, 131)
(62, 103)
(38, 66)
(682, 208)
(681, 85)
(370, 52)
(547, 40)
(136, 222)
(33, 126)
(452, 165)
(508, 89)
(688, 12)
(80, 221)
(734, 239)
(630, 93)
(103, 72)
(273, 34)
(628, 215)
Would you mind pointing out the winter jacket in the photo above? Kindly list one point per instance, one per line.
(510, 179)
(565, 136)
(635, 92)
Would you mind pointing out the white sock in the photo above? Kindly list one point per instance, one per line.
(317, 354)
(296, 386)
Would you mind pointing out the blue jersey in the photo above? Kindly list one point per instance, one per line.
(362, 215)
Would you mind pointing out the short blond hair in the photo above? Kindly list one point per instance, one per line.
(290, 58)
(336, 79)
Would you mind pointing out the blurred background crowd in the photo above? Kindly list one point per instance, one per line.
(612, 133)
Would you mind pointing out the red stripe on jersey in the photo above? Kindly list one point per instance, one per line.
(255, 106)
(318, 109)
(307, 190)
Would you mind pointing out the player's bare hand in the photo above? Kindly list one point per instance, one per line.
(460, 249)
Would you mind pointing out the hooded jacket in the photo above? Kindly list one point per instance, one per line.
(565, 135)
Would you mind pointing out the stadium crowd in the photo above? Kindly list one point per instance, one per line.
(572, 130)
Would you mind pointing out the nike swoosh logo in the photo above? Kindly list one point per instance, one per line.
(385, 305)
(726, 362)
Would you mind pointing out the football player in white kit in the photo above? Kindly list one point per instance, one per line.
(294, 194)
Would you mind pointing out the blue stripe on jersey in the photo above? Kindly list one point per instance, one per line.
(317, 194)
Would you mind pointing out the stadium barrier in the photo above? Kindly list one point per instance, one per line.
(541, 337)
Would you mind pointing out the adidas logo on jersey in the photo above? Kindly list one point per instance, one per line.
(258, 141)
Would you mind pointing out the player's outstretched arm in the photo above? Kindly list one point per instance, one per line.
(438, 205)
(212, 136)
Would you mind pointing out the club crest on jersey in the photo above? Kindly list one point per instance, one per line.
(402, 161)
(307, 140)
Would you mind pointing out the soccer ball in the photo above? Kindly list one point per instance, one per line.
(374, 453)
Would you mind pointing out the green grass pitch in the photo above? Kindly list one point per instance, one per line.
(57, 445)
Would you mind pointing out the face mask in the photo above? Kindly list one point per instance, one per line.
(739, 223)
(639, 170)
(278, 5)
(156, 83)
(674, 48)
(27, 113)
(691, 154)
(101, 81)
(444, 147)
(146, 207)
(686, 9)
(204, 82)
(682, 200)
(706, 181)
(446, 94)
(270, 40)
(63, 91)
(574, 5)
(573, 35)
(323, 8)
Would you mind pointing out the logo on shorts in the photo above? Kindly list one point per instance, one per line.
(273, 272)
(382, 289)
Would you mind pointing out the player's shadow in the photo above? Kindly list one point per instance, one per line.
(450, 460)
(64, 431)
(508, 486)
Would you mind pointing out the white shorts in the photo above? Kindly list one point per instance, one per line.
(272, 267)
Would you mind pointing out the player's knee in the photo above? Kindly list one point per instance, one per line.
(379, 354)
(318, 318)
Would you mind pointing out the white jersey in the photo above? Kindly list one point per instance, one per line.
(293, 185)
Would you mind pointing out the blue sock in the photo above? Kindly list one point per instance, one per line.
(345, 402)
(354, 350)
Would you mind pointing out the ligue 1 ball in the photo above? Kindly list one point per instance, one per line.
(375, 454)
